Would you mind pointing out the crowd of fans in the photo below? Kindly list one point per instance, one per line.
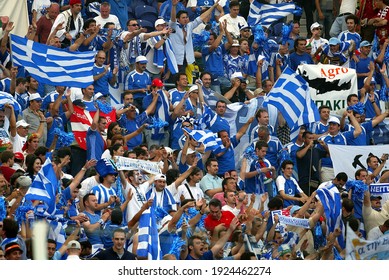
(207, 205)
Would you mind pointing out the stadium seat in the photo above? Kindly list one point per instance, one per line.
(146, 24)
(141, 12)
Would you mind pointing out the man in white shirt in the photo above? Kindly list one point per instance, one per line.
(234, 21)
(105, 16)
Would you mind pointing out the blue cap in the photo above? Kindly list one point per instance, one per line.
(365, 44)
(105, 167)
(334, 41)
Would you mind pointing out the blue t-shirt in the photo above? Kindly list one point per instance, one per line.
(296, 59)
(102, 84)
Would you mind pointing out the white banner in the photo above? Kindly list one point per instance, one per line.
(330, 84)
(361, 249)
(349, 159)
(18, 14)
(124, 163)
(294, 221)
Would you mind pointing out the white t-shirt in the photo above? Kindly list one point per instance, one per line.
(233, 24)
(18, 142)
(110, 18)
(196, 191)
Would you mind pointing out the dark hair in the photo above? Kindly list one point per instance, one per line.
(41, 151)
(351, 95)
(307, 132)
(323, 107)
(10, 227)
(208, 162)
(347, 204)
(353, 17)
(178, 15)
(6, 155)
(275, 203)
(286, 162)
(247, 255)
(358, 172)
(261, 144)
(341, 176)
(63, 152)
(194, 172)
(233, 4)
(215, 202)
(205, 73)
(225, 182)
(172, 175)
(30, 165)
(110, 128)
(178, 76)
(86, 197)
(114, 148)
(296, 42)
(88, 22)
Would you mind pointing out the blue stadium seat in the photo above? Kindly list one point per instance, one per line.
(146, 12)
(146, 24)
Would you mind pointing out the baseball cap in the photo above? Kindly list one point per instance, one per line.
(294, 209)
(334, 41)
(19, 156)
(74, 245)
(159, 21)
(334, 120)
(371, 82)
(97, 96)
(160, 177)
(35, 96)
(190, 151)
(157, 83)
(244, 26)
(141, 59)
(193, 88)
(73, 2)
(365, 44)
(235, 43)
(374, 197)
(12, 247)
(22, 123)
(237, 75)
(315, 25)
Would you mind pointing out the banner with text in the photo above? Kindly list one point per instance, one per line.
(329, 84)
(349, 159)
(124, 163)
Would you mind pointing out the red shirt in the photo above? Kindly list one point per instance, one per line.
(225, 219)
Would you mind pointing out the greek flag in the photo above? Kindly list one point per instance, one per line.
(94, 7)
(290, 95)
(53, 66)
(329, 197)
(44, 187)
(148, 238)
(5, 97)
(206, 137)
(265, 14)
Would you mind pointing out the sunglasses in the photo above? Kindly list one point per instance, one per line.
(135, 24)
(187, 125)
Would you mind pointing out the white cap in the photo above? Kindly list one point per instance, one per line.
(35, 96)
(141, 59)
(22, 123)
(193, 88)
(315, 25)
(334, 120)
(159, 21)
(160, 177)
(190, 151)
(237, 75)
(235, 43)
(97, 96)
(74, 244)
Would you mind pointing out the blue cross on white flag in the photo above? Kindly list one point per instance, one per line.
(53, 66)
(265, 14)
(290, 95)
(44, 187)
(206, 137)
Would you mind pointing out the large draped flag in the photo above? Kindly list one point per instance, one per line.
(148, 238)
(44, 187)
(290, 95)
(362, 249)
(329, 197)
(53, 66)
(5, 97)
(266, 14)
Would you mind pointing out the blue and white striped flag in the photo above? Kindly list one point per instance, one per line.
(266, 14)
(206, 137)
(53, 66)
(94, 7)
(148, 238)
(290, 95)
(44, 187)
(329, 197)
(5, 97)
